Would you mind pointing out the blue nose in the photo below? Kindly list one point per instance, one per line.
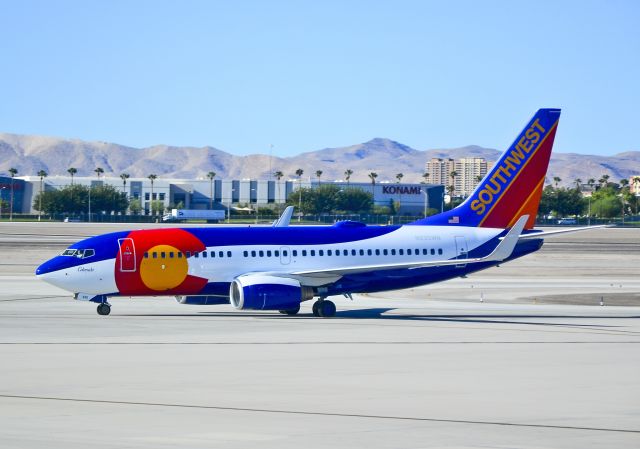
(55, 264)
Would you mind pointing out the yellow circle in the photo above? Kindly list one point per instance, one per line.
(162, 269)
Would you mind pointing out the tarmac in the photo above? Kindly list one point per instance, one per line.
(523, 355)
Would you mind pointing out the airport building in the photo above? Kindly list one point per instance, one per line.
(468, 172)
(223, 193)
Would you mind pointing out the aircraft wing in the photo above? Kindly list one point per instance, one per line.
(500, 253)
(539, 234)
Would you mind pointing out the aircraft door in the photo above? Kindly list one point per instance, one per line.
(462, 251)
(127, 255)
(285, 255)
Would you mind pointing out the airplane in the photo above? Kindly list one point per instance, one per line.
(278, 267)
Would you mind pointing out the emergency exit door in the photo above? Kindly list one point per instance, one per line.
(127, 255)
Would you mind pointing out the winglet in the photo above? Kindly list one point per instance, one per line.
(509, 241)
(284, 219)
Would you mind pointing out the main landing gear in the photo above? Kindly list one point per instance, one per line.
(324, 308)
(293, 311)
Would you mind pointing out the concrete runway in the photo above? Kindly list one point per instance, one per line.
(538, 364)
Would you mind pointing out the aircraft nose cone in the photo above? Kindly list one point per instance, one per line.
(49, 267)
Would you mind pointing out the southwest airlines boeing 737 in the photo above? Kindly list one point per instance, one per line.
(278, 267)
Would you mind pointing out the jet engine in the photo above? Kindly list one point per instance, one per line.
(264, 292)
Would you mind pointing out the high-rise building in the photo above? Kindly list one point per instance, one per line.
(468, 172)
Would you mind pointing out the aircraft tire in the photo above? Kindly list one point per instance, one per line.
(290, 311)
(104, 309)
(327, 309)
(316, 308)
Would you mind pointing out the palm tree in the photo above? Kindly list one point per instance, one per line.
(299, 173)
(124, 177)
(426, 176)
(99, 171)
(318, 175)
(13, 172)
(42, 174)
(578, 182)
(372, 176)
(604, 180)
(453, 175)
(152, 177)
(624, 183)
(211, 175)
(278, 175)
(399, 177)
(556, 180)
(72, 171)
(347, 175)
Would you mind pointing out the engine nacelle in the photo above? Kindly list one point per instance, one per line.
(202, 300)
(264, 292)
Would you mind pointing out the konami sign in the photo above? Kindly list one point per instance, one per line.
(403, 190)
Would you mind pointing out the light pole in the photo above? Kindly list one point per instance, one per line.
(89, 204)
(426, 197)
(229, 206)
(589, 213)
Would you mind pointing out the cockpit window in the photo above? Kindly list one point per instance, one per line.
(88, 253)
(79, 253)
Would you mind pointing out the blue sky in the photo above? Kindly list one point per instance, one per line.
(303, 75)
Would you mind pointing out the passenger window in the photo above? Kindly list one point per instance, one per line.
(261, 253)
(285, 253)
(409, 252)
(377, 252)
(433, 252)
(146, 255)
(155, 255)
(312, 252)
(393, 252)
(220, 253)
(204, 254)
(417, 252)
(196, 255)
(277, 253)
(440, 251)
(228, 253)
(304, 253)
(171, 255)
(401, 252)
(345, 252)
(369, 252)
(294, 253)
(361, 252)
(329, 253)
(425, 251)
(245, 253)
(268, 253)
(385, 252)
(253, 254)
(320, 252)
(188, 254)
(353, 252)
(180, 255)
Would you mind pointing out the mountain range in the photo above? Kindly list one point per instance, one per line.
(31, 153)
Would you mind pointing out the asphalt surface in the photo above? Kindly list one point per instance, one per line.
(539, 363)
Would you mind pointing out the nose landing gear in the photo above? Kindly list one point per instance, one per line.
(104, 308)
